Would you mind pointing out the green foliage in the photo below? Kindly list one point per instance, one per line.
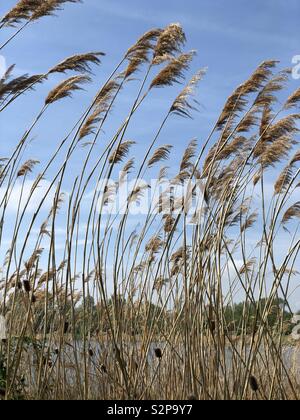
(246, 317)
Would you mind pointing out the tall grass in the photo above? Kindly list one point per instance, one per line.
(150, 312)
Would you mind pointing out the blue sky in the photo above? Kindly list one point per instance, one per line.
(231, 36)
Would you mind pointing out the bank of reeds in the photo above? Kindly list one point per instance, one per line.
(149, 313)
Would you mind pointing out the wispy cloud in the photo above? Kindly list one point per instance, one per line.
(19, 196)
(205, 23)
(118, 10)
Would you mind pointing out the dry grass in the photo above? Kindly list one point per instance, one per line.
(159, 324)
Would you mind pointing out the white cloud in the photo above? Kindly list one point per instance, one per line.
(19, 195)
(2, 66)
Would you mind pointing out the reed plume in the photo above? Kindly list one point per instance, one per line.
(292, 212)
(66, 88)
(162, 153)
(174, 71)
(182, 106)
(80, 63)
(169, 43)
(121, 152)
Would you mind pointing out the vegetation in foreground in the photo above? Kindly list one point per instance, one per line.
(151, 312)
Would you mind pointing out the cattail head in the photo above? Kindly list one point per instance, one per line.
(66, 327)
(212, 326)
(158, 353)
(27, 286)
(253, 384)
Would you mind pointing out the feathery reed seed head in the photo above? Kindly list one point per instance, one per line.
(173, 71)
(169, 43)
(66, 88)
(80, 63)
